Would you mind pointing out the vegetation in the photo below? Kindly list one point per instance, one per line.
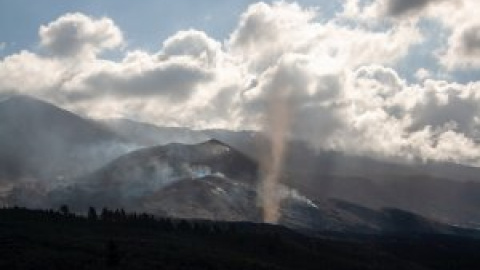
(114, 239)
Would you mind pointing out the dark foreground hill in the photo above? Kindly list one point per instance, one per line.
(115, 240)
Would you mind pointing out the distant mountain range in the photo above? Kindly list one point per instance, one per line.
(444, 191)
(49, 157)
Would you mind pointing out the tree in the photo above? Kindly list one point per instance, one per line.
(106, 214)
(92, 214)
(64, 210)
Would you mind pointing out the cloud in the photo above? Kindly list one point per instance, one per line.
(463, 50)
(456, 23)
(193, 43)
(339, 77)
(28, 73)
(174, 80)
(309, 93)
(75, 34)
(471, 40)
(401, 7)
(461, 28)
(422, 74)
(444, 105)
(391, 118)
(266, 32)
(395, 9)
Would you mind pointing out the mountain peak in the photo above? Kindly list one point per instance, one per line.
(216, 142)
(216, 146)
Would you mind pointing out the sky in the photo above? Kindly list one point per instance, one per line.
(395, 79)
(145, 24)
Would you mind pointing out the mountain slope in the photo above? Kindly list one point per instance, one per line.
(128, 180)
(213, 181)
(151, 135)
(445, 191)
(41, 141)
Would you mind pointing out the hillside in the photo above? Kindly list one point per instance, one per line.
(51, 240)
(41, 141)
(444, 191)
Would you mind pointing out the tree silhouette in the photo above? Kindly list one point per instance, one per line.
(92, 214)
(64, 210)
(105, 215)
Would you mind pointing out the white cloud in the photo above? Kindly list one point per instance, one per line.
(195, 44)
(463, 50)
(174, 80)
(422, 74)
(29, 73)
(75, 34)
(266, 32)
(459, 19)
(390, 118)
(308, 93)
(337, 77)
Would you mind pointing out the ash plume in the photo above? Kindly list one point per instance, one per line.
(276, 127)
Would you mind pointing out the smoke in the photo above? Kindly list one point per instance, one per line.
(276, 128)
(148, 135)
